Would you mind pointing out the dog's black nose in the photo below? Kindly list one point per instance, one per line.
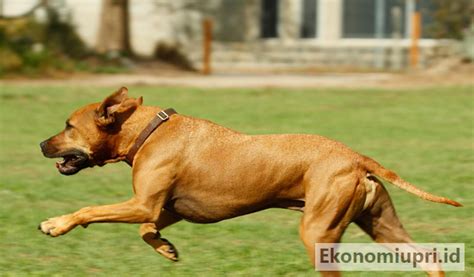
(43, 145)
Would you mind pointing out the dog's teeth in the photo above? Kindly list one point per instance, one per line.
(60, 163)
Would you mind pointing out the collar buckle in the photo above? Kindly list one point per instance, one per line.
(163, 115)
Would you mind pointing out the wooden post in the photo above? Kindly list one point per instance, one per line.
(415, 35)
(207, 40)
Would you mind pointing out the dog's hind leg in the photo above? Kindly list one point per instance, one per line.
(150, 233)
(331, 203)
(380, 221)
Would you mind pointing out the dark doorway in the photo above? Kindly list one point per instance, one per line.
(309, 19)
(269, 19)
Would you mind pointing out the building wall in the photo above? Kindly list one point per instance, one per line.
(85, 16)
(237, 33)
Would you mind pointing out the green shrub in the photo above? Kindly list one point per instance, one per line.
(27, 46)
(10, 60)
(451, 18)
(61, 37)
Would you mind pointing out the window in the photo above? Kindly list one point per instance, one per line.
(309, 19)
(269, 19)
(359, 19)
(373, 18)
(394, 13)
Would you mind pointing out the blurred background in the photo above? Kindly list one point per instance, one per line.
(56, 36)
(392, 79)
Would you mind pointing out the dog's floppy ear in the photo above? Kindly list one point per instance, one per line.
(114, 105)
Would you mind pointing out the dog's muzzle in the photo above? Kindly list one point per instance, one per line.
(73, 159)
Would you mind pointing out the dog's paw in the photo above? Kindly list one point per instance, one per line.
(167, 249)
(56, 226)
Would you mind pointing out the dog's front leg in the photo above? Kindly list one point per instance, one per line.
(131, 211)
(150, 233)
(150, 187)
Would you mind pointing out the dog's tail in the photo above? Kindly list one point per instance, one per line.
(375, 168)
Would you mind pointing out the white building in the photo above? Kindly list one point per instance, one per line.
(284, 34)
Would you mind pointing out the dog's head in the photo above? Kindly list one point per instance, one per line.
(92, 134)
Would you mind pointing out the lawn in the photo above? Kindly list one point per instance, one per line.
(425, 135)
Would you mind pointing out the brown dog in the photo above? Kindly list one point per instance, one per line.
(196, 170)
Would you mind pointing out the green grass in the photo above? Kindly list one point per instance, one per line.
(425, 135)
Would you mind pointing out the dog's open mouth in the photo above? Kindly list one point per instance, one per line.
(72, 162)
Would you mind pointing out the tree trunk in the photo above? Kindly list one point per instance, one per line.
(114, 32)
